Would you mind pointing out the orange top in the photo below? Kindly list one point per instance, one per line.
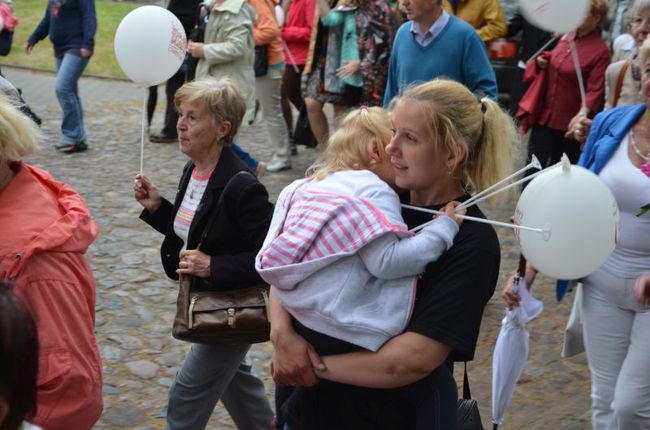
(46, 229)
(266, 30)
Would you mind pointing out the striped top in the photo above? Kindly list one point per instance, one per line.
(321, 224)
(342, 259)
(193, 195)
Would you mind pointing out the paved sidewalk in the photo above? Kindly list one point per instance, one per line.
(135, 303)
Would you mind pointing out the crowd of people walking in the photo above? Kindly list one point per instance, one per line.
(366, 316)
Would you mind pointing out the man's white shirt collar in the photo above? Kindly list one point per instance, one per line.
(434, 31)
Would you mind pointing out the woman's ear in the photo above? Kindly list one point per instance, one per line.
(374, 151)
(457, 156)
(223, 130)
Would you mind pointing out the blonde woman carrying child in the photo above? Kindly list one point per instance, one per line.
(338, 253)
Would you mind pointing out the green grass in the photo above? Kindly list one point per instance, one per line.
(103, 62)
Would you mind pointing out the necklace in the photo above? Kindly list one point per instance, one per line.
(636, 149)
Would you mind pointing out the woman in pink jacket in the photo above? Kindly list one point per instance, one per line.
(46, 229)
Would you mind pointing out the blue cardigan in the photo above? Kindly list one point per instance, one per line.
(607, 131)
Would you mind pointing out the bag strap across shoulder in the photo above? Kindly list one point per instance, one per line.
(208, 225)
(619, 83)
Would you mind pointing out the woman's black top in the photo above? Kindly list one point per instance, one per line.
(237, 233)
(451, 296)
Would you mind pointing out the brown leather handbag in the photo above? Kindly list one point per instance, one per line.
(204, 315)
(221, 317)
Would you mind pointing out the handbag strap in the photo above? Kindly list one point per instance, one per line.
(208, 225)
(619, 83)
(466, 392)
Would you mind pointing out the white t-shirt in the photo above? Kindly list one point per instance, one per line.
(631, 189)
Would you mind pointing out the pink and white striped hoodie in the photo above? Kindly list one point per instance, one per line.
(342, 259)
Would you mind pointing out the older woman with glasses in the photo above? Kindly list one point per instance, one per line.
(623, 78)
(210, 112)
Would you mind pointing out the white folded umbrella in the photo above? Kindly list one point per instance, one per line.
(511, 350)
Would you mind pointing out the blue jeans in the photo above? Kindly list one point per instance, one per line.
(69, 68)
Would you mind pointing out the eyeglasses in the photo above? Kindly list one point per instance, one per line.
(637, 21)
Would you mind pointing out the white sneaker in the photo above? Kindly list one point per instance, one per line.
(278, 165)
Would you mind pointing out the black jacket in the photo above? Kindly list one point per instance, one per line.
(186, 11)
(532, 38)
(237, 233)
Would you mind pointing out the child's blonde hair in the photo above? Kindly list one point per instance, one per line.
(347, 148)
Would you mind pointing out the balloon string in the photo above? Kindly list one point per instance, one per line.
(534, 164)
(290, 55)
(470, 218)
(576, 63)
(514, 184)
(540, 50)
(144, 119)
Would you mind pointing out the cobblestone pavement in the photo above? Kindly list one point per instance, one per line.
(135, 303)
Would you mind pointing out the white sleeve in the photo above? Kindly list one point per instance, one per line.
(386, 200)
(389, 257)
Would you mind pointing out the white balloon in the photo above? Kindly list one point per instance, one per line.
(580, 218)
(557, 16)
(150, 45)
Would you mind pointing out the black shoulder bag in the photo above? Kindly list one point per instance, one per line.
(261, 64)
(237, 316)
(469, 417)
(261, 60)
(197, 34)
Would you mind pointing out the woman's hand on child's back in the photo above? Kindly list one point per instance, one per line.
(451, 210)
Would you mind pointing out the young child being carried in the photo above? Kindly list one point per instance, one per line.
(338, 252)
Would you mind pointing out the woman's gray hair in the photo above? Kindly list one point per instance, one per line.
(223, 99)
(638, 7)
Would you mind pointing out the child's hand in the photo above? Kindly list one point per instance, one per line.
(451, 211)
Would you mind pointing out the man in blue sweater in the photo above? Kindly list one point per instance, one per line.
(71, 25)
(434, 44)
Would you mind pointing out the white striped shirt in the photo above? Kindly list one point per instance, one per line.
(191, 199)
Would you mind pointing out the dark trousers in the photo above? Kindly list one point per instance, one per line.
(171, 116)
(291, 93)
(428, 404)
(517, 91)
(548, 145)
